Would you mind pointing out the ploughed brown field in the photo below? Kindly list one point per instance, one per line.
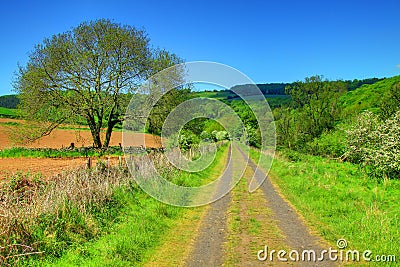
(59, 138)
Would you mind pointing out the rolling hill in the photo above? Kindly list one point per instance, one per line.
(367, 97)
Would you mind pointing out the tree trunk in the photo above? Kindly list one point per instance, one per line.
(96, 138)
(110, 127)
(95, 132)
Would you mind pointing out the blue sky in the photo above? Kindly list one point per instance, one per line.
(270, 41)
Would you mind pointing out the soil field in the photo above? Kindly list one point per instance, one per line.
(61, 138)
(47, 167)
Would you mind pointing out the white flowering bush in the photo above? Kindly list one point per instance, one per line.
(219, 135)
(222, 135)
(376, 144)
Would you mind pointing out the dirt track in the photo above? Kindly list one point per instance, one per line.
(296, 235)
(212, 234)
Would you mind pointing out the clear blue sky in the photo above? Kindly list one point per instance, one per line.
(270, 41)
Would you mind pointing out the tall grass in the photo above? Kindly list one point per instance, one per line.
(340, 201)
(46, 217)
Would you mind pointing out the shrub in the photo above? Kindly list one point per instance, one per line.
(330, 144)
(253, 137)
(222, 135)
(376, 144)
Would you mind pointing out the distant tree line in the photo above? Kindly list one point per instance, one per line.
(266, 89)
(354, 84)
(280, 88)
(9, 101)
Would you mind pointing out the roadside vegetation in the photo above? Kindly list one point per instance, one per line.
(339, 200)
(98, 215)
(324, 118)
(337, 160)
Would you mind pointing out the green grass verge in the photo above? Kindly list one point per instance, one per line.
(340, 201)
(142, 222)
(133, 223)
(19, 152)
(8, 113)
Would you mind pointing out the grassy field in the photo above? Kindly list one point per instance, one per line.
(123, 229)
(340, 201)
(273, 100)
(8, 113)
(220, 95)
(18, 152)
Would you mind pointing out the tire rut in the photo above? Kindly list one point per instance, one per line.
(208, 246)
(297, 234)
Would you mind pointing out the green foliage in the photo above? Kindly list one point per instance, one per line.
(390, 102)
(317, 103)
(354, 84)
(292, 155)
(276, 101)
(188, 140)
(220, 135)
(223, 95)
(329, 144)
(212, 125)
(314, 109)
(321, 114)
(266, 89)
(253, 136)
(227, 96)
(164, 106)
(197, 125)
(245, 113)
